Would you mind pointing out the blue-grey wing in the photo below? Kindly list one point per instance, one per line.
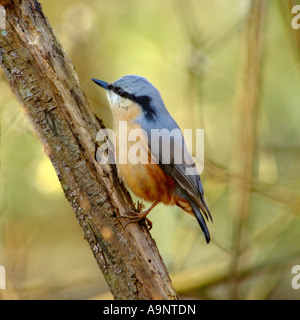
(168, 148)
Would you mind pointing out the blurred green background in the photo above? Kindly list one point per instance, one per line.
(195, 52)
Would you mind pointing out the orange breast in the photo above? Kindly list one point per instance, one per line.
(147, 181)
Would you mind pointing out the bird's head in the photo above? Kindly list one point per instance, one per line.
(132, 88)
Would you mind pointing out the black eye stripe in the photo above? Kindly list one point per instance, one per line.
(119, 91)
(143, 101)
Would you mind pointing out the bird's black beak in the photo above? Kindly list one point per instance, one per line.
(101, 83)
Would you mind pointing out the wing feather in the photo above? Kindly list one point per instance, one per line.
(191, 183)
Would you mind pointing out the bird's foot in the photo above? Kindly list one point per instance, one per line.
(139, 207)
(139, 215)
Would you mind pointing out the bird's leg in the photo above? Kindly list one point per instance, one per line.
(140, 215)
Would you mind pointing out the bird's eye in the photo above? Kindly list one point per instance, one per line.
(120, 91)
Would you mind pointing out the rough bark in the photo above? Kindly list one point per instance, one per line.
(44, 80)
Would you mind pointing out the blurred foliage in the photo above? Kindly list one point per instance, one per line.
(191, 50)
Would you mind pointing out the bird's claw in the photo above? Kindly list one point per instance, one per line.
(140, 206)
(137, 216)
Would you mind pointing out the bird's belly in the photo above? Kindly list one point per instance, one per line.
(146, 180)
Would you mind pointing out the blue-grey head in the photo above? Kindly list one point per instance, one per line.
(134, 89)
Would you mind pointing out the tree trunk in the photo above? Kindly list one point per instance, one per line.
(44, 80)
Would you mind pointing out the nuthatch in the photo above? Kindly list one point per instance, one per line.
(135, 100)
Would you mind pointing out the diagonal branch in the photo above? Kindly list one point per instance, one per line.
(44, 80)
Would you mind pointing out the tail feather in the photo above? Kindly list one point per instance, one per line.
(201, 221)
(192, 208)
(206, 208)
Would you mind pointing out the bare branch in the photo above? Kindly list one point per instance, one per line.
(44, 80)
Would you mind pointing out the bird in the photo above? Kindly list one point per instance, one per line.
(135, 100)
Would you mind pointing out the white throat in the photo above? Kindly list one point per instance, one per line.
(116, 101)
